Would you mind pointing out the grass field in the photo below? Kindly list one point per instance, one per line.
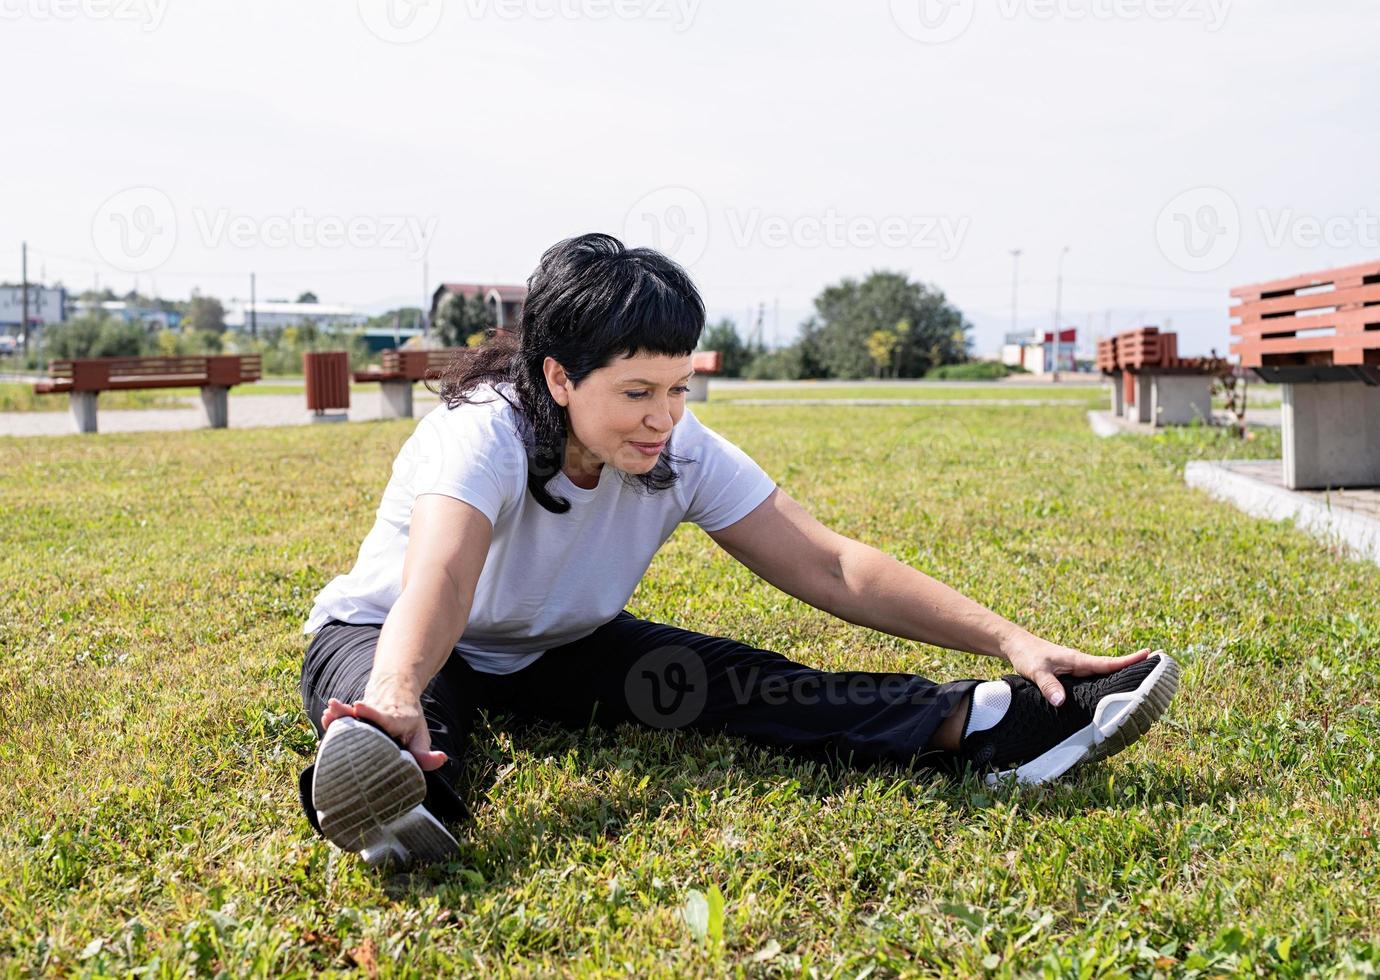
(151, 731)
(934, 390)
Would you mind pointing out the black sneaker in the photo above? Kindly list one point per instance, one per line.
(367, 792)
(1100, 716)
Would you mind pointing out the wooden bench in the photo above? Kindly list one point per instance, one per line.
(706, 364)
(1318, 335)
(85, 378)
(1148, 375)
(399, 370)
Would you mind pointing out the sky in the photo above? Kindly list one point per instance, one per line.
(1154, 152)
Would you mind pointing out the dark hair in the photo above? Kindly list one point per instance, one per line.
(589, 300)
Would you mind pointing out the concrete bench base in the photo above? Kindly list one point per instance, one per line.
(397, 399)
(83, 405)
(1178, 399)
(1331, 435)
(699, 389)
(215, 402)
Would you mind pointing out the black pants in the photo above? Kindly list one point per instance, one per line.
(645, 673)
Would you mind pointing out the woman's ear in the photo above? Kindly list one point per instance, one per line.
(556, 380)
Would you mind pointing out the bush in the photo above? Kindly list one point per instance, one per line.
(970, 371)
(96, 336)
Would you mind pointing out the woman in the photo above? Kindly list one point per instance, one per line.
(519, 518)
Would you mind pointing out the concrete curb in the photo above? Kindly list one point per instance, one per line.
(1320, 514)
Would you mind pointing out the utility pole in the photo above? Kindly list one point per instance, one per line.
(253, 308)
(24, 294)
(1058, 311)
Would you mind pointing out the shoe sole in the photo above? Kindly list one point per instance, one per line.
(1118, 720)
(368, 795)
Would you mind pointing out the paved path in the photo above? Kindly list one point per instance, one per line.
(246, 412)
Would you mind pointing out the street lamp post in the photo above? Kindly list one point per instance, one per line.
(1058, 312)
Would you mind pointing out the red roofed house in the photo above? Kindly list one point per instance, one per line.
(504, 302)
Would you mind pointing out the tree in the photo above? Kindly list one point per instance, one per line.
(308, 297)
(723, 337)
(926, 330)
(459, 318)
(881, 345)
(205, 314)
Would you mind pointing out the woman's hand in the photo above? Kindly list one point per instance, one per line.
(1040, 661)
(400, 717)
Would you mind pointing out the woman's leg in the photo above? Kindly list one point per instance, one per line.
(337, 665)
(662, 676)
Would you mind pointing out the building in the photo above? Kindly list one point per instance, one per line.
(504, 302)
(275, 313)
(46, 305)
(1036, 355)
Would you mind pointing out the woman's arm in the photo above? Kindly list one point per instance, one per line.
(785, 545)
(446, 547)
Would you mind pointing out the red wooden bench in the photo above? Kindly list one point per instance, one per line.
(1319, 336)
(85, 378)
(1148, 373)
(398, 370)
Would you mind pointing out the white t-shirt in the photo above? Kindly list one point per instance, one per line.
(549, 578)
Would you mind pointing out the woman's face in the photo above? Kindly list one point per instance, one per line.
(622, 413)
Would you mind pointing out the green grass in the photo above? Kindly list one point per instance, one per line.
(932, 390)
(151, 731)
